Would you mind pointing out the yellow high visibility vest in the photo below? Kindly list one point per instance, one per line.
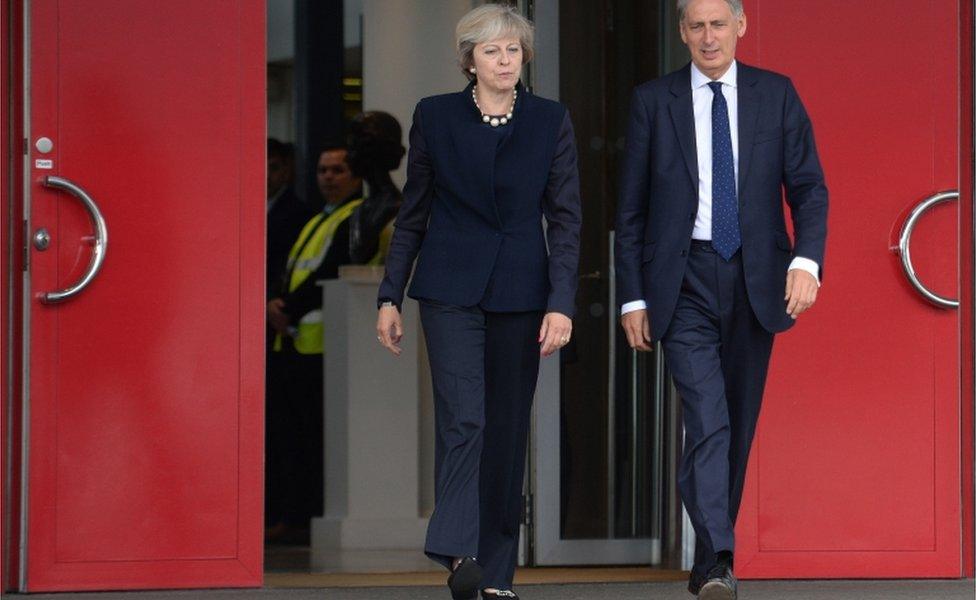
(386, 236)
(305, 257)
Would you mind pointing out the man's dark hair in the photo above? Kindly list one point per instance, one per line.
(279, 149)
(330, 146)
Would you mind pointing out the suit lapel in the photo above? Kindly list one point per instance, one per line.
(749, 105)
(683, 117)
(479, 146)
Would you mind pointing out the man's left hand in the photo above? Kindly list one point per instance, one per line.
(801, 291)
(276, 316)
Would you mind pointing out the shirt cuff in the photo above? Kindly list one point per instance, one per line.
(805, 264)
(632, 306)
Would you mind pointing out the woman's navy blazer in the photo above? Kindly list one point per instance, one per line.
(473, 206)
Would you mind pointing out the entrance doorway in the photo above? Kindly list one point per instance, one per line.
(107, 399)
(607, 435)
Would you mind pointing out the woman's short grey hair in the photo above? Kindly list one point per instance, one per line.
(735, 5)
(490, 22)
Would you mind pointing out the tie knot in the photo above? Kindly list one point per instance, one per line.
(716, 87)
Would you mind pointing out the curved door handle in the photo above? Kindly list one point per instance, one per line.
(100, 241)
(905, 247)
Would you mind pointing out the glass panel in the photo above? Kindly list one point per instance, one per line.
(619, 419)
(614, 422)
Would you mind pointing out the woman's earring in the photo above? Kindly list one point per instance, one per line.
(472, 70)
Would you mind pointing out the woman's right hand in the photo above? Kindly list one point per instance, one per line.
(389, 329)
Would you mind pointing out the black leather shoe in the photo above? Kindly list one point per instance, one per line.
(465, 579)
(503, 594)
(695, 584)
(721, 585)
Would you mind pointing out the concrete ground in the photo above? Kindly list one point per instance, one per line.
(749, 590)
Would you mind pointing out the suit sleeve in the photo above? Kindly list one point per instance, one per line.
(411, 222)
(561, 206)
(632, 203)
(803, 179)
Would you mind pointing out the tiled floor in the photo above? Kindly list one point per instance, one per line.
(289, 559)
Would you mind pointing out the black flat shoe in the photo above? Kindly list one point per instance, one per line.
(509, 594)
(465, 579)
(721, 585)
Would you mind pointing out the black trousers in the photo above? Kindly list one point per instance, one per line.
(718, 354)
(294, 437)
(484, 367)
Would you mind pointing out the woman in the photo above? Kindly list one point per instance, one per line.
(484, 166)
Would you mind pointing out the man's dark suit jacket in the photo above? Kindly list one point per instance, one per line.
(473, 207)
(285, 221)
(659, 193)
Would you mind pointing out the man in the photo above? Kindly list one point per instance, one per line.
(287, 214)
(295, 368)
(703, 260)
(321, 247)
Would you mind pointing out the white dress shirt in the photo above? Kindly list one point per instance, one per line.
(701, 96)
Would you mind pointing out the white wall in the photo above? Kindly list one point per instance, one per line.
(281, 60)
(352, 10)
(408, 53)
(281, 30)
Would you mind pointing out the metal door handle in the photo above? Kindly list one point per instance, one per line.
(905, 246)
(100, 241)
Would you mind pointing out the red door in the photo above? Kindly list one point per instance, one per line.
(144, 396)
(855, 470)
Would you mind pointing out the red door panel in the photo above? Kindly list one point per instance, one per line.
(146, 400)
(855, 467)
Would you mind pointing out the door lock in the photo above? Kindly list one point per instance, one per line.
(44, 145)
(42, 239)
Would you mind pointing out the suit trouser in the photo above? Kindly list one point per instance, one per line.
(484, 367)
(294, 435)
(718, 354)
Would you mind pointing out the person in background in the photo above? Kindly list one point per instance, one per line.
(287, 214)
(295, 367)
(485, 165)
(375, 149)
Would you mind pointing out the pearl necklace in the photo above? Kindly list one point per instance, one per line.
(494, 121)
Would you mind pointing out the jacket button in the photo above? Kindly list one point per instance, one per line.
(684, 253)
(691, 216)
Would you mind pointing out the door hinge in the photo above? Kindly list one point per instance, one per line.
(527, 509)
(26, 245)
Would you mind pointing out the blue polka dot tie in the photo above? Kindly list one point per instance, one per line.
(726, 238)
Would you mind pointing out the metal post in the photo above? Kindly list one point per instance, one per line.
(611, 394)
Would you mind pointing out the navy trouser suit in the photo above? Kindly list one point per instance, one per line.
(486, 273)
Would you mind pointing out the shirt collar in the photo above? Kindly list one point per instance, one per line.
(699, 79)
(328, 209)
